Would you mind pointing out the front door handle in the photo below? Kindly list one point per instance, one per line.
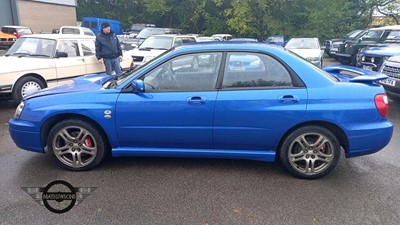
(288, 99)
(196, 100)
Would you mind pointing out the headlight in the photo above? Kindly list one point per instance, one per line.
(19, 109)
(363, 58)
(372, 59)
(148, 58)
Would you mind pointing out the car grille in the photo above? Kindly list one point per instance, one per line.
(6, 39)
(138, 58)
(377, 60)
(391, 71)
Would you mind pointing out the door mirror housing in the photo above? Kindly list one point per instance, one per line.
(61, 54)
(138, 86)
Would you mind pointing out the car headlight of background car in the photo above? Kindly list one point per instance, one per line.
(19, 110)
(312, 59)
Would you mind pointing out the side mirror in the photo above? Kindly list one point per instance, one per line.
(138, 86)
(61, 54)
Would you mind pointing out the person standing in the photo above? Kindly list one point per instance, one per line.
(108, 49)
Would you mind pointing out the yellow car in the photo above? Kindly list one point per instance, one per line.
(7, 39)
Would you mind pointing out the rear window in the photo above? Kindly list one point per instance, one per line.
(24, 31)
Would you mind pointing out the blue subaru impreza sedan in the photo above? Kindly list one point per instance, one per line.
(211, 100)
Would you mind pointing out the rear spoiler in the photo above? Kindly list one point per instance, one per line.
(356, 74)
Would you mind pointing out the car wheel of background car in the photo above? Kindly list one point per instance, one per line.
(76, 144)
(310, 152)
(26, 86)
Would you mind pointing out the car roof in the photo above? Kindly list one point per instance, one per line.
(386, 27)
(60, 36)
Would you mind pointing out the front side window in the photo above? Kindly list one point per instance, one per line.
(254, 70)
(69, 46)
(192, 72)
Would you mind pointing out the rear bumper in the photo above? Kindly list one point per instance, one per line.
(25, 136)
(368, 139)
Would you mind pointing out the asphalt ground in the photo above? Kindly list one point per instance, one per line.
(131, 190)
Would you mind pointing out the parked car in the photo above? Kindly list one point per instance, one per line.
(94, 23)
(130, 44)
(18, 31)
(203, 39)
(137, 27)
(372, 58)
(391, 67)
(279, 40)
(156, 45)
(308, 48)
(285, 109)
(221, 37)
(347, 53)
(6, 39)
(332, 46)
(38, 61)
(75, 30)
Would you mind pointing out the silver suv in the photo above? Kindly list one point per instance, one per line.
(391, 67)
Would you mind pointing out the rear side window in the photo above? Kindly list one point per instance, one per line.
(88, 47)
(93, 24)
(85, 24)
(254, 70)
(69, 46)
(4, 29)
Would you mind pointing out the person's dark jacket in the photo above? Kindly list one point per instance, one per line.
(107, 46)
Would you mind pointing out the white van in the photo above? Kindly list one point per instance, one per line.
(76, 30)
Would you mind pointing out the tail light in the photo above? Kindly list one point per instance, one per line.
(382, 104)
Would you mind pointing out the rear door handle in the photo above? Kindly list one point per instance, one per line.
(196, 100)
(288, 99)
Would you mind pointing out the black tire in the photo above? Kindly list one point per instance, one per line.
(25, 82)
(310, 152)
(83, 142)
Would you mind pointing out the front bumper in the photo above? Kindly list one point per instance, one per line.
(25, 135)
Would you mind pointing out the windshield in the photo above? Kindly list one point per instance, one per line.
(126, 76)
(353, 34)
(157, 42)
(30, 46)
(24, 31)
(275, 39)
(303, 43)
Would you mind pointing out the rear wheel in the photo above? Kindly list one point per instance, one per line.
(76, 144)
(26, 86)
(310, 152)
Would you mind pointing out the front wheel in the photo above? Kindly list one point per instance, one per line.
(310, 152)
(26, 86)
(76, 144)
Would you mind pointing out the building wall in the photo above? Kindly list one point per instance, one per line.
(43, 17)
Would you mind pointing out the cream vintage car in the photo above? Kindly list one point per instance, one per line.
(38, 61)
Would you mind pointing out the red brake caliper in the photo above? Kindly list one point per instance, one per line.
(322, 149)
(88, 141)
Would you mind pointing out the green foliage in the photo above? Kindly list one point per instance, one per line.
(244, 18)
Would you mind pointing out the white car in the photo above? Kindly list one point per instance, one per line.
(156, 45)
(38, 61)
(308, 48)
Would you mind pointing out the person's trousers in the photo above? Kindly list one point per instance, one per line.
(112, 65)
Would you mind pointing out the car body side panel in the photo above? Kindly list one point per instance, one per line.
(256, 119)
